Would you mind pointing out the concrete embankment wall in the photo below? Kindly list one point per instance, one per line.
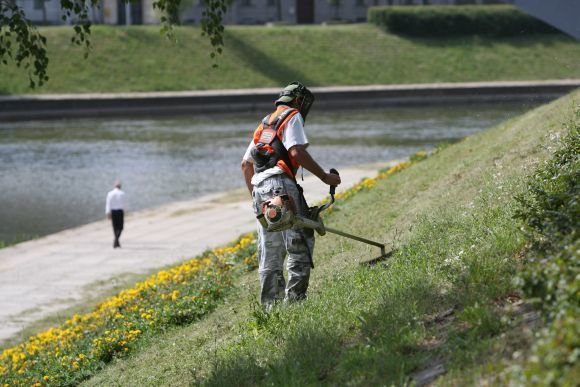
(42, 107)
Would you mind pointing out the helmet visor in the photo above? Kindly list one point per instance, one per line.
(306, 103)
(297, 90)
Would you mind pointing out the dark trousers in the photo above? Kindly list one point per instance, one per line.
(117, 218)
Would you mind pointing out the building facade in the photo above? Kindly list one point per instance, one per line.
(308, 11)
(48, 12)
(121, 13)
(240, 11)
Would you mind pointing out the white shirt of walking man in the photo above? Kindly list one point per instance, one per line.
(115, 208)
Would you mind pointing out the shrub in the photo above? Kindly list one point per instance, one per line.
(551, 214)
(493, 20)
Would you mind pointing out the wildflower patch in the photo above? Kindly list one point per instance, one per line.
(72, 352)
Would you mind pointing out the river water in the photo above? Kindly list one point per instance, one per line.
(55, 174)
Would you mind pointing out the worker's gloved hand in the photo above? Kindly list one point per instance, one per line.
(331, 179)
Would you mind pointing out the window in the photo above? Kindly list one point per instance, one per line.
(361, 3)
(38, 4)
(246, 3)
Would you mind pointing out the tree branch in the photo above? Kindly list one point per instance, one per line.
(21, 41)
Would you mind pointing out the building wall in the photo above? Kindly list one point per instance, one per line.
(34, 11)
(109, 10)
(347, 10)
(563, 14)
(52, 13)
(266, 11)
(247, 12)
(240, 12)
(150, 15)
(106, 13)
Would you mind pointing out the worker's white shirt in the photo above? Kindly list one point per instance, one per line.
(293, 135)
(116, 200)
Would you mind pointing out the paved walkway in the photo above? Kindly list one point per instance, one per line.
(43, 276)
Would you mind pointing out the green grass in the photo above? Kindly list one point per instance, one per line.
(141, 59)
(16, 239)
(442, 298)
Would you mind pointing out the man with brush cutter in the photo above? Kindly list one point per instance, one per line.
(277, 150)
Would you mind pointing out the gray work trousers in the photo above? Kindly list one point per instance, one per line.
(273, 247)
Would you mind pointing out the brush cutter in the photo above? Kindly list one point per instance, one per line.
(278, 214)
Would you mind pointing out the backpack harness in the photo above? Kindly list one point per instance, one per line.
(269, 149)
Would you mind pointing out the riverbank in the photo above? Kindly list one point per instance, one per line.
(443, 310)
(444, 302)
(42, 277)
(63, 106)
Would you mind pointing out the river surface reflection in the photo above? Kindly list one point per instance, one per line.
(55, 174)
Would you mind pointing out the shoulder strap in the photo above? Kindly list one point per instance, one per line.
(278, 120)
(270, 136)
(278, 145)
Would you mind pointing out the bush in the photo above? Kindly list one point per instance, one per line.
(551, 214)
(493, 20)
(550, 208)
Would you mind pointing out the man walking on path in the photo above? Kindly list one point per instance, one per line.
(269, 167)
(115, 210)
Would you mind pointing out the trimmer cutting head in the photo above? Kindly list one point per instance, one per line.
(384, 254)
(379, 259)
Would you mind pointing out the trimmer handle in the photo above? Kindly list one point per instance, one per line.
(333, 187)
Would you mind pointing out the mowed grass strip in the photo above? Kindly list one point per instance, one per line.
(140, 58)
(442, 299)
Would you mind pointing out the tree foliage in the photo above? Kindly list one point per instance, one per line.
(550, 210)
(22, 42)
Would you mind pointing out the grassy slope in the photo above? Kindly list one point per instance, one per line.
(450, 218)
(140, 59)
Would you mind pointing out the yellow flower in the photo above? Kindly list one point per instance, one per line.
(369, 183)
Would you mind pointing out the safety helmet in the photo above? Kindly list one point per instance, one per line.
(297, 90)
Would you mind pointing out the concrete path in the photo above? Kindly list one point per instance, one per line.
(43, 276)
